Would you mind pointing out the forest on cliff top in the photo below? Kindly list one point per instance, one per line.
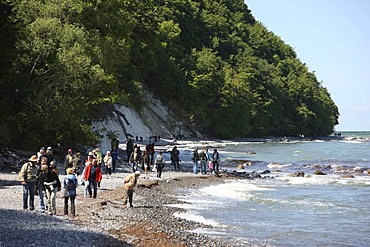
(64, 63)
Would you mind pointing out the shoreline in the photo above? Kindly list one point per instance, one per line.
(150, 223)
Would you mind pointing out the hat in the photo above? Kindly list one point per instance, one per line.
(49, 148)
(108, 152)
(91, 154)
(137, 173)
(70, 170)
(33, 158)
(69, 150)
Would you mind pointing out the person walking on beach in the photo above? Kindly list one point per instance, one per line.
(68, 161)
(27, 176)
(159, 163)
(128, 188)
(52, 186)
(135, 159)
(216, 160)
(108, 161)
(145, 163)
(70, 184)
(114, 154)
(49, 155)
(195, 159)
(92, 175)
(151, 153)
(40, 188)
(129, 148)
(77, 164)
(203, 162)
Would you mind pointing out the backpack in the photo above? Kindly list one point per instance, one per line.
(70, 184)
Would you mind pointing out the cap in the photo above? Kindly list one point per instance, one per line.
(137, 173)
(49, 148)
(91, 154)
(69, 150)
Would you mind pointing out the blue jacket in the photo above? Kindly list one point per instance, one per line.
(70, 189)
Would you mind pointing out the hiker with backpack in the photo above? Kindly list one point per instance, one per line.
(40, 188)
(70, 184)
(27, 176)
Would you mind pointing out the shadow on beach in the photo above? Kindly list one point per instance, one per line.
(19, 228)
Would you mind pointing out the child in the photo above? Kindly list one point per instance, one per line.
(210, 167)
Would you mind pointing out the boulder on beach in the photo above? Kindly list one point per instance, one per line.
(318, 172)
(297, 174)
(347, 176)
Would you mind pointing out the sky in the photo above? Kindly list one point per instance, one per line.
(333, 38)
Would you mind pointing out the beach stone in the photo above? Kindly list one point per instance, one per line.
(297, 174)
(318, 172)
(347, 176)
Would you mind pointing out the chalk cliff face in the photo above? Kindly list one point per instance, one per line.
(154, 120)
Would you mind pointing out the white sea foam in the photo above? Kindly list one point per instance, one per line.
(277, 165)
(196, 218)
(235, 190)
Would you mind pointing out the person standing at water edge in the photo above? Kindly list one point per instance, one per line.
(203, 162)
(28, 178)
(128, 188)
(175, 158)
(195, 159)
(215, 160)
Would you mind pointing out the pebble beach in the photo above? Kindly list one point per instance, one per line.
(103, 221)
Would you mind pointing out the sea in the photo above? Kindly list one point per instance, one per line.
(279, 209)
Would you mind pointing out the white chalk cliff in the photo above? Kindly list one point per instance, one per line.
(124, 122)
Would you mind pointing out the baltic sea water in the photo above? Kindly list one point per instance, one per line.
(281, 210)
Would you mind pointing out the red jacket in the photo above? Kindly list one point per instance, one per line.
(99, 174)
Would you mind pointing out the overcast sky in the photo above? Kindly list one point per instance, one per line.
(333, 38)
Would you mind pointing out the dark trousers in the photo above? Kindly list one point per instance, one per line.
(215, 165)
(93, 185)
(159, 171)
(114, 165)
(73, 210)
(128, 194)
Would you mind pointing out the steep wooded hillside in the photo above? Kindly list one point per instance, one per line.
(66, 63)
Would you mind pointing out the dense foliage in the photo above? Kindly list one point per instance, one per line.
(65, 62)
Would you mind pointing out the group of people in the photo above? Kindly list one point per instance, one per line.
(202, 157)
(145, 159)
(39, 176)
